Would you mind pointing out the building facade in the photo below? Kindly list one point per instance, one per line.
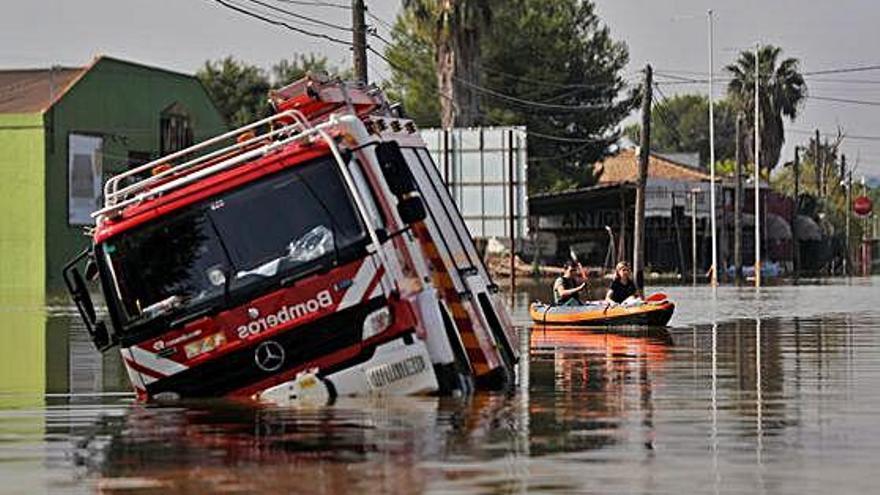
(63, 131)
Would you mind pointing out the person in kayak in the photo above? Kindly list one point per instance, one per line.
(622, 287)
(566, 287)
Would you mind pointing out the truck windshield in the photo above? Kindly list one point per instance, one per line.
(264, 232)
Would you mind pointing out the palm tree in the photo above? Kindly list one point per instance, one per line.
(782, 89)
(455, 26)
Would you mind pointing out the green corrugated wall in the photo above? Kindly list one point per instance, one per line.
(22, 259)
(22, 213)
(121, 102)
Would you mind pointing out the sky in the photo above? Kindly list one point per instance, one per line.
(671, 35)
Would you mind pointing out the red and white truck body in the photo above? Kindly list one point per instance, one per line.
(316, 252)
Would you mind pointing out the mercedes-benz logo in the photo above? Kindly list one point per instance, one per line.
(269, 356)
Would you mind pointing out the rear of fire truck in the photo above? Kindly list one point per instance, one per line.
(293, 257)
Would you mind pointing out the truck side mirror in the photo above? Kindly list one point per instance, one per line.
(395, 169)
(79, 292)
(411, 209)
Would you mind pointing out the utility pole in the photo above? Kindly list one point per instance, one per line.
(826, 151)
(757, 170)
(848, 185)
(714, 276)
(738, 202)
(694, 193)
(359, 43)
(644, 154)
(818, 163)
(795, 241)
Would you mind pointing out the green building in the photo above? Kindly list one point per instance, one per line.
(63, 132)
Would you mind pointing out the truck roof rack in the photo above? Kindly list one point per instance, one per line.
(298, 105)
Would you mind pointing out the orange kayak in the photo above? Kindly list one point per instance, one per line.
(653, 313)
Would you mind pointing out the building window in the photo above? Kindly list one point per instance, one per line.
(175, 130)
(84, 172)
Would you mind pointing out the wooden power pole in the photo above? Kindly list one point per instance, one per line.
(644, 155)
(359, 43)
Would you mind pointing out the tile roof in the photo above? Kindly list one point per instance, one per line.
(624, 167)
(32, 90)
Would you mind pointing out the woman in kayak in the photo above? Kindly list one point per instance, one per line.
(622, 287)
(566, 287)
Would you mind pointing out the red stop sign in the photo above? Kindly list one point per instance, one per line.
(862, 206)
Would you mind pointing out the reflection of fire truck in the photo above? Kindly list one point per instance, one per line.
(314, 251)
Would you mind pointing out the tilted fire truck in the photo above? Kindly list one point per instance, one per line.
(316, 251)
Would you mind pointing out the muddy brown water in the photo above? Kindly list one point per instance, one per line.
(769, 392)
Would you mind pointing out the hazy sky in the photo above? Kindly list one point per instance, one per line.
(670, 34)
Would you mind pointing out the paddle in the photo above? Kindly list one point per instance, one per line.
(574, 257)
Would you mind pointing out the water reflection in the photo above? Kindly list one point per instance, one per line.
(769, 403)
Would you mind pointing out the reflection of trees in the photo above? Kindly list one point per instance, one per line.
(161, 260)
(587, 382)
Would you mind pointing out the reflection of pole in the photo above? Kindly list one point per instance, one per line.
(757, 174)
(715, 401)
(795, 241)
(714, 279)
(694, 235)
(759, 403)
(511, 193)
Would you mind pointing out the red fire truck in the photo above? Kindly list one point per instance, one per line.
(314, 252)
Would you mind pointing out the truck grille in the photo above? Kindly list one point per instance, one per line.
(301, 344)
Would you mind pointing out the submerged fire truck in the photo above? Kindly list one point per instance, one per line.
(316, 251)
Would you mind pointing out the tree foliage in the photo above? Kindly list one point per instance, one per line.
(549, 65)
(782, 90)
(454, 28)
(680, 124)
(240, 90)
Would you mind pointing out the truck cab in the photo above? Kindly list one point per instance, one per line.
(314, 253)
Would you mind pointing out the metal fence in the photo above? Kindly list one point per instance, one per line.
(486, 172)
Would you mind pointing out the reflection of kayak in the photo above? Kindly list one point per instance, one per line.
(649, 313)
(650, 342)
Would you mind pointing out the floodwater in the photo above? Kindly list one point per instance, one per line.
(769, 392)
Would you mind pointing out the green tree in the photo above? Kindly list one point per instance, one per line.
(289, 70)
(550, 65)
(782, 90)
(680, 124)
(413, 70)
(238, 89)
(454, 28)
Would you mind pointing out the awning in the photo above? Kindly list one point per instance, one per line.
(807, 229)
(778, 228)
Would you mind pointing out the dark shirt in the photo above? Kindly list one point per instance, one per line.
(620, 291)
(567, 284)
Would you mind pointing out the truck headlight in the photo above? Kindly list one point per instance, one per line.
(376, 322)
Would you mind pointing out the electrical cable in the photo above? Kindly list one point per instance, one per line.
(276, 22)
(301, 17)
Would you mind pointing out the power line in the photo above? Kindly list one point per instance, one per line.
(301, 17)
(833, 136)
(842, 71)
(536, 104)
(276, 22)
(844, 100)
(316, 3)
(551, 83)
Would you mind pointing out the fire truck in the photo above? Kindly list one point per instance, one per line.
(313, 253)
